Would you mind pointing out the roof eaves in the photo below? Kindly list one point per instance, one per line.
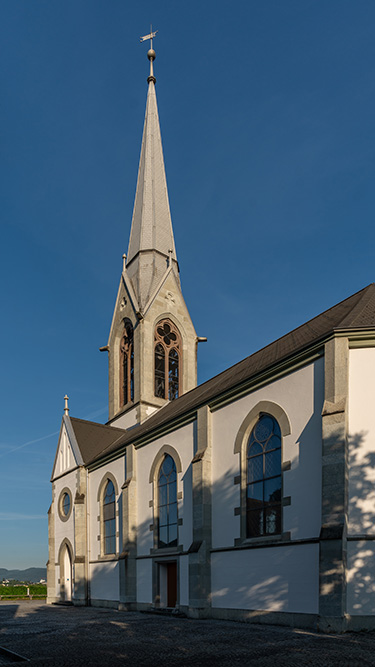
(147, 432)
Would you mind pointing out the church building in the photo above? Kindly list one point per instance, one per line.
(249, 497)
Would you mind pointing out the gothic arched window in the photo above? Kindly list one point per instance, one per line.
(167, 360)
(109, 518)
(127, 365)
(263, 490)
(167, 503)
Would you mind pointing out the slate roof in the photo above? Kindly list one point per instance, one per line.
(151, 223)
(354, 313)
(93, 438)
(151, 228)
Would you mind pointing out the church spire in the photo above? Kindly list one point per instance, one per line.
(152, 343)
(151, 245)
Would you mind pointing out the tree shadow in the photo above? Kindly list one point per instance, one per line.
(361, 526)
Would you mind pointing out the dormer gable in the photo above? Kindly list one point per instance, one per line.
(68, 456)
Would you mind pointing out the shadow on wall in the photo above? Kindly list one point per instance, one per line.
(361, 554)
(246, 583)
(242, 579)
(275, 579)
(305, 512)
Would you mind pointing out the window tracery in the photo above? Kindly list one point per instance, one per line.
(127, 364)
(167, 360)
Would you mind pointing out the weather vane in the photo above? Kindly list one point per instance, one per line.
(151, 55)
(150, 36)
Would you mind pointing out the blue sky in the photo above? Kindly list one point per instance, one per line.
(267, 119)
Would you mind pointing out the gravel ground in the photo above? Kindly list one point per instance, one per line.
(56, 635)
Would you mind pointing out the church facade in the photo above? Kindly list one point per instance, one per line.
(249, 497)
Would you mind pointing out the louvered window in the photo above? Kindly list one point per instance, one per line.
(167, 360)
(127, 365)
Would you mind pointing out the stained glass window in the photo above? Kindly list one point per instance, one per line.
(263, 489)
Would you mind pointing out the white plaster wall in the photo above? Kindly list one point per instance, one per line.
(104, 581)
(300, 394)
(182, 441)
(117, 468)
(361, 441)
(126, 420)
(184, 580)
(65, 459)
(64, 529)
(144, 580)
(129, 419)
(361, 578)
(272, 579)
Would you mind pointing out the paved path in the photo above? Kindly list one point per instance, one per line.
(86, 636)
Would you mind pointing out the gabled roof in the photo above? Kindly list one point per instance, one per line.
(93, 438)
(353, 314)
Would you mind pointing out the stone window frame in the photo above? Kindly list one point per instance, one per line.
(108, 476)
(130, 364)
(240, 447)
(64, 517)
(167, 349)
(153, 479)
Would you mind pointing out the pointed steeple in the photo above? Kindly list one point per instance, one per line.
(151, 245)
(152, 343)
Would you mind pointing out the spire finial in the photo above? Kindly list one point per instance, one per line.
(66, 407)
(124, 262)
(151, 55)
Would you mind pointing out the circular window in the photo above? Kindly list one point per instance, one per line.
(65, 505)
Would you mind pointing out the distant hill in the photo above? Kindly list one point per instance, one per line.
(33, 574)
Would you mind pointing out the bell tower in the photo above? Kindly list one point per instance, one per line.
(152, 344)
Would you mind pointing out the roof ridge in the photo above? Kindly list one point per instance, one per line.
(277, 340)
(324, 312)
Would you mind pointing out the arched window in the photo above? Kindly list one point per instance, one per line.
(167, 360)
(167, 503)
(109, 519)
(127, 364)
(263, 490)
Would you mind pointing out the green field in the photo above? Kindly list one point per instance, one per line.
(12, 592)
